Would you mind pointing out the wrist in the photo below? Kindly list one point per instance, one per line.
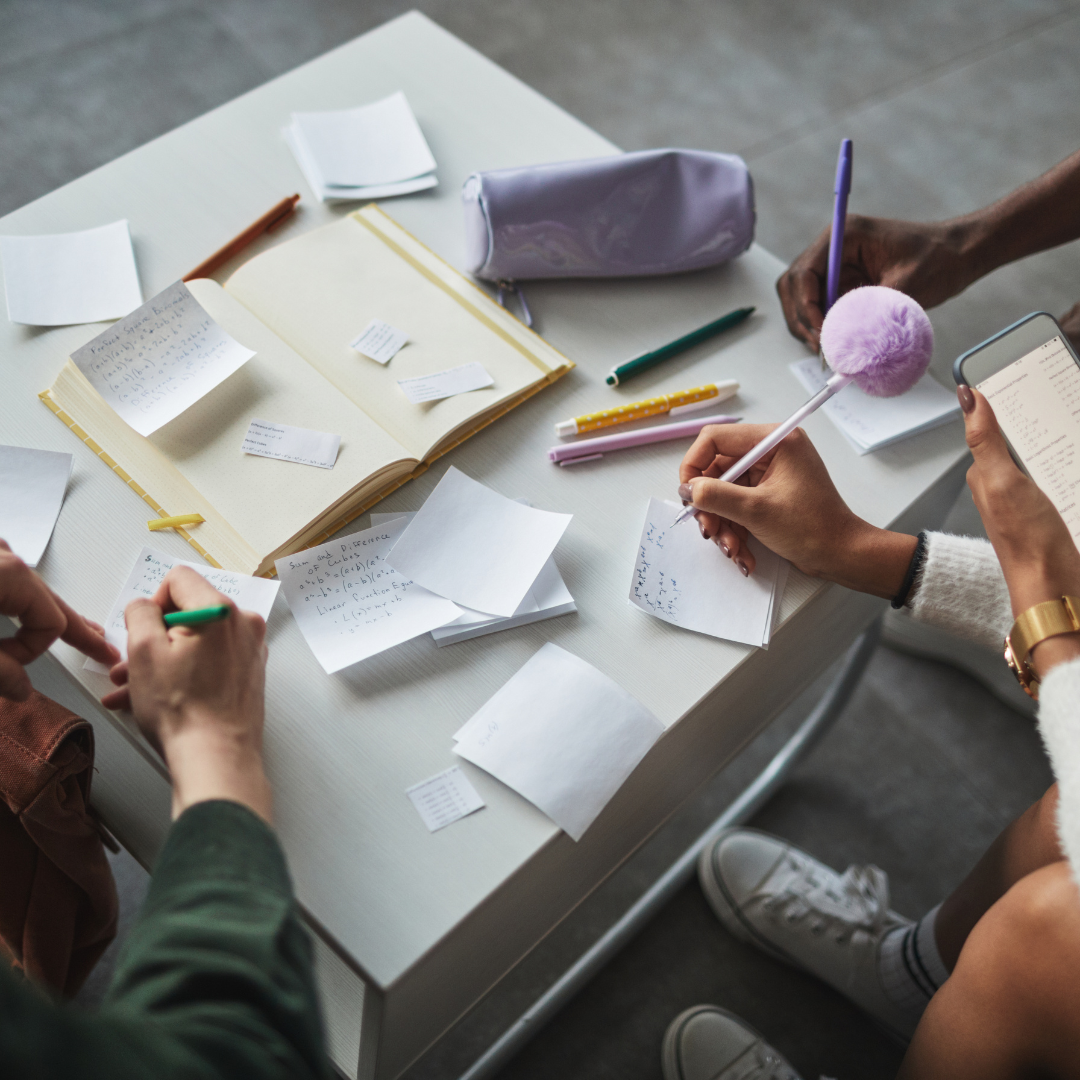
(875, 561)
(976, 242)
(214, 762)
(1053, 651)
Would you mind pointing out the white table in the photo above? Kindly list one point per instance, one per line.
(413, 927)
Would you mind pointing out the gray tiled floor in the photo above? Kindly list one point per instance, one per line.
(951, 103)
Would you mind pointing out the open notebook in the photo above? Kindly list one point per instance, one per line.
(299, 306)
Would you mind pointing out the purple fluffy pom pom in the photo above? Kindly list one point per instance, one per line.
(881, 337)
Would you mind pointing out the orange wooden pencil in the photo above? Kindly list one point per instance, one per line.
(268, 221)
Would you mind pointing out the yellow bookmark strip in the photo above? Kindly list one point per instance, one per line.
(173, 522)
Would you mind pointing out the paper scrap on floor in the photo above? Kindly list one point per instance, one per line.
(869, 422)
(371, 152)
(547, 598)
(475, 546)
(444, 384)
(160, 360)
(380, 341)
(68, 278)
(248, 593)
(445, 798)
(562, 735)
(685, 580)
(350, 603)
(32, 488)
(284, 442)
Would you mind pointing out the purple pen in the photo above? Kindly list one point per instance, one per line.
(590, 449)
(841, 189)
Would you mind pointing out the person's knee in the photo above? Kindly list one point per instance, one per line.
(1020, 950)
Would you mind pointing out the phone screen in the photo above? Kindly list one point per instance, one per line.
(1037, 403)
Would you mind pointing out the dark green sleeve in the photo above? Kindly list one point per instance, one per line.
(215, 980)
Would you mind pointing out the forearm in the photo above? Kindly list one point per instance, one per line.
(873, 561)
(1041, 214)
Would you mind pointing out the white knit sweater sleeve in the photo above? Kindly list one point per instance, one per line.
(961, 589)
(1059, 724)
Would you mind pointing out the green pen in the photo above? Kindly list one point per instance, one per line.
(197, 616)
(647, 360)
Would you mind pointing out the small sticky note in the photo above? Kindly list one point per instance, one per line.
(286, 443)
(444, 384)
(380, 341)
(445, 798)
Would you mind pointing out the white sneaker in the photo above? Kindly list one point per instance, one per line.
(775, 896)
(707, 1043)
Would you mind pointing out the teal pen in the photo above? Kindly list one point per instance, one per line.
(197, 616)
(646, 360)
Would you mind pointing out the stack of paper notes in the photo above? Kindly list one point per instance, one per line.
(547, 598)
(32, 488)
(686, 580)
(248, 593)
(868, 422)
(470, 561)
(372, 152)
(68, 278)
(562, 735)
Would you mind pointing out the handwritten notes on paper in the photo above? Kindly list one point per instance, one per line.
(350, 603)
(380, 341)
(444, 384)
(32, 488)
(445, 798)
(869, 422)
(562, 735)
(68, 278)
(287, 443)
(685, 580)
(248, 593)
(475, 546)
(160, 360)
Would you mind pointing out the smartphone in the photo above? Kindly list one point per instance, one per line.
(1030, 374)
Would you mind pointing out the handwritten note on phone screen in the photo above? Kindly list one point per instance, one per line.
(160, 360)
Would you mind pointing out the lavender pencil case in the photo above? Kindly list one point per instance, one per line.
(652, 212)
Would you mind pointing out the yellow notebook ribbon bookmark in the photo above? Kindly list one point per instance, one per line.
(174, 522)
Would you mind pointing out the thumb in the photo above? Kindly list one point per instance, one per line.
(984, 438)
(145, 626)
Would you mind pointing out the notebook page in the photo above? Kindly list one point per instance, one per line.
(319, 291)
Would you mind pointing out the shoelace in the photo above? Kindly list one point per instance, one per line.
(858, 901)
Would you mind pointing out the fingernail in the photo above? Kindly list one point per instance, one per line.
(686, 492)
(724, 548)
(742, 568)
(967, 398)
(704, 534)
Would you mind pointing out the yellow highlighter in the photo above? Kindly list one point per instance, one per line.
(684, 401)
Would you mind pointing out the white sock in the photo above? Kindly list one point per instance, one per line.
(910, 966)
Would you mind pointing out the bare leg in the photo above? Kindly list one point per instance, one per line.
(1029, 843)
(1012, 1006)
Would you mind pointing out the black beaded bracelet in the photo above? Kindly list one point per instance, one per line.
(916, 564)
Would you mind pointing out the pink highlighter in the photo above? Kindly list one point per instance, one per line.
(591, 449)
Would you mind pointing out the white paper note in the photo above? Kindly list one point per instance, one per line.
(248, 593)
(869, 422)
(67, 278)
(380, 341)
(160, 360)
(351, 604)
(562, 735)
(380, 143)
(32, 487)
(287, 443)
(444, 384)
(684, 579)
(445, 798)
(476, 547)
(547, 598)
